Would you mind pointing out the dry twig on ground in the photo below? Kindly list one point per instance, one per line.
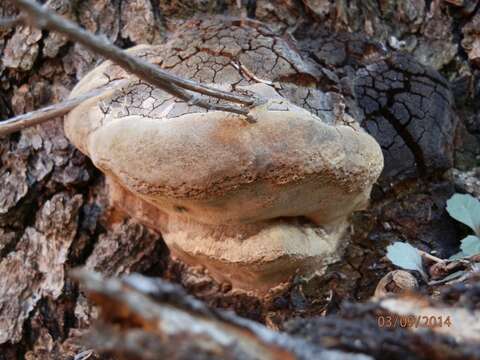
(9, 22)
(43, 18)
(39, 116)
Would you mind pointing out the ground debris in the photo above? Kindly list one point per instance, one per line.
(388, 329)
(146, 318)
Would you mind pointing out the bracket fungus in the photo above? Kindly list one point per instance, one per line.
(255, 203)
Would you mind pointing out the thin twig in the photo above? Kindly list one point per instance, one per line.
(245, 71)
(431, 257)
(10, 22)
(47, 113)
(144, 70)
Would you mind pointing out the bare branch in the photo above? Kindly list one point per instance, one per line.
(10, 22)
(144, 70)
(47, 113)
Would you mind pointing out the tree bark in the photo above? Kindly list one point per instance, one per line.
(54, 214)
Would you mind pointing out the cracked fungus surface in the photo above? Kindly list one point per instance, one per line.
(226, 54)
(224, 153)
(341, 79)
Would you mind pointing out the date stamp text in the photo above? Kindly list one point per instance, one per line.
(413, 321)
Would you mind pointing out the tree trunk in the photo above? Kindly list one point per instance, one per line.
(55, 215)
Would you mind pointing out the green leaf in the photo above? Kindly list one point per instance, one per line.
(470, 245)
(458, 256)
(466, 209)
(405, 256)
